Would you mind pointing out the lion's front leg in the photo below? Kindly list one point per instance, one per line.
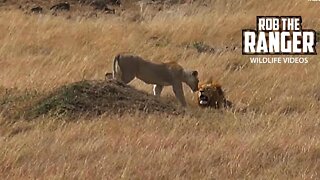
(157, 90)
(178, 91)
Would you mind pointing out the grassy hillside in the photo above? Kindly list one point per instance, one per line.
(273, 135)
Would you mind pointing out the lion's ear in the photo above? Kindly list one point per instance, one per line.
(195, 73)
(220, 91)
(108, 75)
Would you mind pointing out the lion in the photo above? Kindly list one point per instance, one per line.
(128, 67)
(212, 95)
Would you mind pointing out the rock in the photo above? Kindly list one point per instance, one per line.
(102, 5)
(37, 10)
(65, 6)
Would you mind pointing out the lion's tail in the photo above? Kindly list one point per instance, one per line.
(116, 71)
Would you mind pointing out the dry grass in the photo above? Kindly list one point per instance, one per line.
(277, 137)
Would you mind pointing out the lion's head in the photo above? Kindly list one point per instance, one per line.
(191, 78)
(212, 95)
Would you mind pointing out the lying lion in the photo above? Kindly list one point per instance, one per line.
(212, 95)
(127, 67)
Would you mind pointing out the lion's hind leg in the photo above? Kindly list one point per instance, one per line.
(127, 77)
(123, 75)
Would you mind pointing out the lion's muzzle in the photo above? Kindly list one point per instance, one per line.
(203, 99)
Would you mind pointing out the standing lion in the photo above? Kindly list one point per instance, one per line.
(127, 67)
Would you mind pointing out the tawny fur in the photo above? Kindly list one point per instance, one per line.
(214, 94)
(128, 67)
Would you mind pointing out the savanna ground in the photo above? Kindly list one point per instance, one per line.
(276, 136)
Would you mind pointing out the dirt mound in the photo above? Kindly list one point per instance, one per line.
(98, 97)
